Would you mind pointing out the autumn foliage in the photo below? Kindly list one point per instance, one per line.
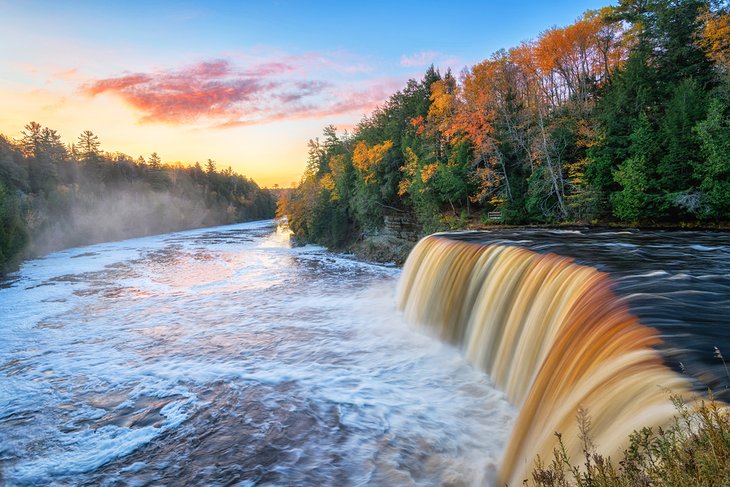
(620, 116)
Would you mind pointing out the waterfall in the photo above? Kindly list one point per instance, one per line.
(552, 335)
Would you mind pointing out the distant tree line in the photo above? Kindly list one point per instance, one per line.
(54, 196)
(623, 116)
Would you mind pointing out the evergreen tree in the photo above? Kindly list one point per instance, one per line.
(680, 145)
(31, 142)
(88, 146)
(13, 232)
(631, 203)
(676, 53)
(628, 96)
(154, 161)
(714, 172)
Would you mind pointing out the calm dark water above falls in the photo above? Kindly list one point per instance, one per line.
(675, 281)
(225, 357)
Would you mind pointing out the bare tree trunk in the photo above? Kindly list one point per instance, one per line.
(504, 168)
(513, 133)
(548, 160)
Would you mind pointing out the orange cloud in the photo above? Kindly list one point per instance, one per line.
(209, 89)
(221, 93)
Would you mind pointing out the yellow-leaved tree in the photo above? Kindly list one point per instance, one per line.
(367, 159)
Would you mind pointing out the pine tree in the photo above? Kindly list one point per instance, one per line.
(633, 175)
(629, 95)
(31, 142)
(154, 161)
(88, 146)
(680, 145)
(714, 172)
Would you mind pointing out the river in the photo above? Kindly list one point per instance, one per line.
(675, 281)
(224, 356)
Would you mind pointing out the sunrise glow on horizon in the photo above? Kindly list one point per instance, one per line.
(245, 84)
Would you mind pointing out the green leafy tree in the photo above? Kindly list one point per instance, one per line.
(714, 172)
(631, 202)
(13, 232)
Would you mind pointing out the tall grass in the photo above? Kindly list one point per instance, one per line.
(694, 451)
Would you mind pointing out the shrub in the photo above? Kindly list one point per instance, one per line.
(694, 451)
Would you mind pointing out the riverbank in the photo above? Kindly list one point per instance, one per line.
(387, 247)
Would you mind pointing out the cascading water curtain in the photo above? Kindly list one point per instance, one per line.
(552, 335)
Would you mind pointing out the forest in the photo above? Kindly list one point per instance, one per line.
(54, 196)
(622, 117)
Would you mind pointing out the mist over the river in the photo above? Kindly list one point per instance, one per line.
(121, 213)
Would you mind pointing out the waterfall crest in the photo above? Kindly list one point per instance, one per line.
(552, 335)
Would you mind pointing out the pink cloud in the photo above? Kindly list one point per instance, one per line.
(270, 69)
(339, 61)
(218, 92)
(118, 85)
(353, 100)
(71, 74)
(210, 69)
(365, 98)
(210, 89)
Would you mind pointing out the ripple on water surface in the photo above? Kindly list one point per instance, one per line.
(223, 356)
(675, 281)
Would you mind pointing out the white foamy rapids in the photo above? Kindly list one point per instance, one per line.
(221, 355)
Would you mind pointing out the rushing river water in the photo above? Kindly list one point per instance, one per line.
(225, 357)
(675, 281)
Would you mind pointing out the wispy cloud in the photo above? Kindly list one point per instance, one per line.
(220, 93)
(338, 61)
(69, 74)
(352, 100)
(425, 58)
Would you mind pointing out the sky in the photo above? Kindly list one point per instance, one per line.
(245, 83)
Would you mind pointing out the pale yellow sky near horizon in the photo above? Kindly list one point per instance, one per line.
(167, 78)
(262, 152)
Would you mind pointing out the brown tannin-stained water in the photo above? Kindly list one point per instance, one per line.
(224, 356)
(557, 338)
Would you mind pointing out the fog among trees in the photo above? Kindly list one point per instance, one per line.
(54, 196)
